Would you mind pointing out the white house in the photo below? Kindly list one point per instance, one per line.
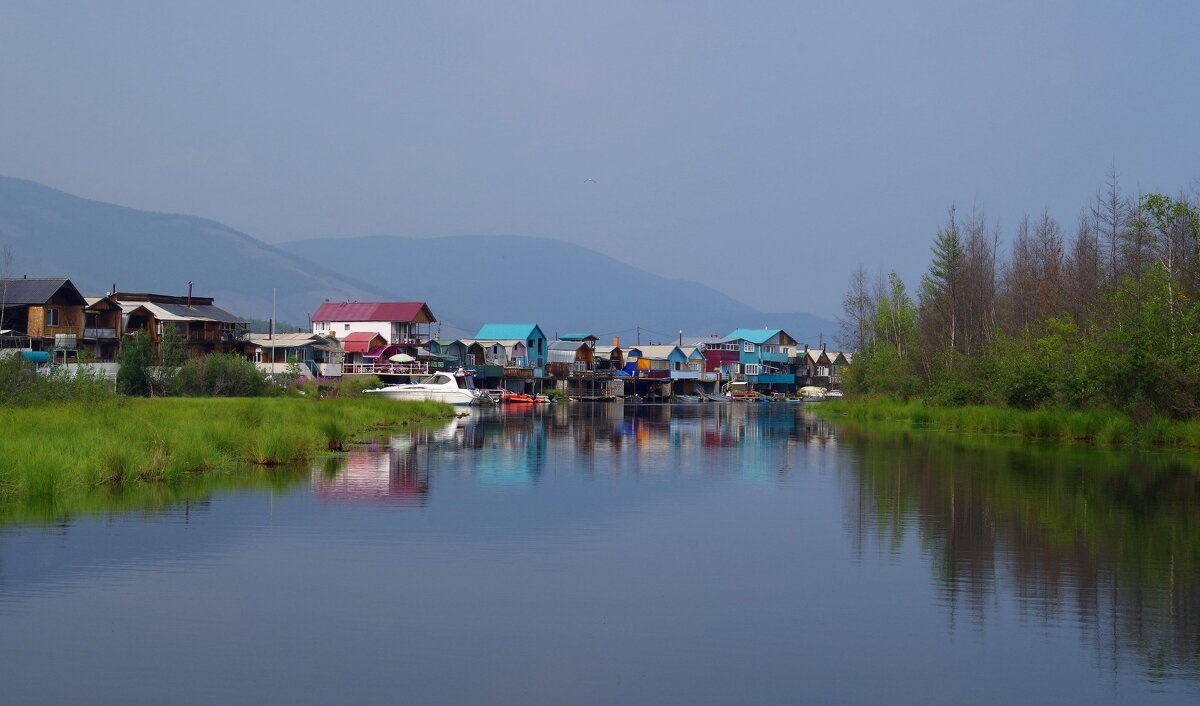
(397, 322)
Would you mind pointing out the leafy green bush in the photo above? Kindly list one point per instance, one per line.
(221, 375)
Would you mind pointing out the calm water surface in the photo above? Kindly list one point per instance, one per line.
(600, 555)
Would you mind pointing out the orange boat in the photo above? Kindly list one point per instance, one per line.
(519, 398)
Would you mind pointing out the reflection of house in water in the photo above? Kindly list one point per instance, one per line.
(509, 450)
(395, 476)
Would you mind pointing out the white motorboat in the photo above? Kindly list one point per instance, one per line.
(456, 389)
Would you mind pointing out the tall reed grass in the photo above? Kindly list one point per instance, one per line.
(1100, 427)
(48, 449)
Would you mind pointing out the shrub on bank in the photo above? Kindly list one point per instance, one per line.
(221, 375)
(22, 385)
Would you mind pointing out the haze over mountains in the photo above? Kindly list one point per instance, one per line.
(467, 280)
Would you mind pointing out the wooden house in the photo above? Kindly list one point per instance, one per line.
(102, 328)
(654, 360)
(396, 322)
(49, 310)
(453, 352)
(815, 368)
(204, 327)
(565, 358)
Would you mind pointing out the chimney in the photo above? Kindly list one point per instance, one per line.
(189, 303)
(616, 341)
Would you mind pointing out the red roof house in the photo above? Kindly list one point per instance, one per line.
(397, 322)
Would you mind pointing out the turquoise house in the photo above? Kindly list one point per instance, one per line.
(522, 345)
(763, 356)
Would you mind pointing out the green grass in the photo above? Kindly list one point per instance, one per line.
(1099, 427)
(50, 449)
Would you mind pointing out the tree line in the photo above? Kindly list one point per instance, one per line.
(1103, 315)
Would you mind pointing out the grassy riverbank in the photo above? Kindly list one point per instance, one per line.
(1101, 427)
(51, 448)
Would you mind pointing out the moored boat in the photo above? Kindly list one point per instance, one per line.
(518, 398)
(452, 388)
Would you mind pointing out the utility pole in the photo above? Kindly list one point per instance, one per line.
(271, 331)
(639, 335)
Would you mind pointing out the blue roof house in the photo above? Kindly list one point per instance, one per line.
(763, 355)
(525, 342)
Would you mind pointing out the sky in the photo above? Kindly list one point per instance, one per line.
(764, 148)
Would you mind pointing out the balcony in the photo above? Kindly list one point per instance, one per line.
(772, 379)
(685, 374)
(99, 333)
(775, 357)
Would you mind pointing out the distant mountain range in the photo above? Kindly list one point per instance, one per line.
(471, 279)
(467, 280)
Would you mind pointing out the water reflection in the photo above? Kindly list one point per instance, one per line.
(512, 449)
(642, 541)
(1102, 540)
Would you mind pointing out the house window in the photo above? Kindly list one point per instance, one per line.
(347, 327)
(52, 317)
(748, 347)
(752, 369)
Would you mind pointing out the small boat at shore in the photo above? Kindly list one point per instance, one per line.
(519, 398)
(452, 388)
(686, 399)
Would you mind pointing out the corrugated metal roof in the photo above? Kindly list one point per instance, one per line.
(409, 312)
(754, 335)
(287, 340)
(657, 352)
(503, 332)
(565, 346)
(37, 291)
(182, 312)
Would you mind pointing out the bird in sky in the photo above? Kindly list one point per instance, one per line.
(589, 179)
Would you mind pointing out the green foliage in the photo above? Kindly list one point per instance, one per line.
(52, 450)
(221, 375)
(22, 385)
(137, 357)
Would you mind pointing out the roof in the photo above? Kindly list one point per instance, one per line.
(37, 291)
(657, 352)
(578, 337)
(606, 350)
(182, 312)
(508, 332)
(566, 345)
(287, 340)
(410, 312)
(754, 335)
(359, 341)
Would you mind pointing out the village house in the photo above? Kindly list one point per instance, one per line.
(754, 359)
(361, 351)
(512, 356)
(102, 328)
(396, 322)
(203, 327)
(313, 354)
(50, 311)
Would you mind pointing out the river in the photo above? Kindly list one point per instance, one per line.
(594, 554)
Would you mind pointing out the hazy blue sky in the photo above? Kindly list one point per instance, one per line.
(764, 148)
